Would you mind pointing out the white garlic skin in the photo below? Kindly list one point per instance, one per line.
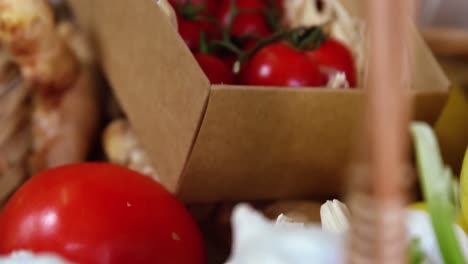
(258, 240)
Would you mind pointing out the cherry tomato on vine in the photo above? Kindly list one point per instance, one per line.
(190, 31)
(230, 61)
(245, 47)
(250, 20)
(97, 213)
(250, 44)
(194, 17)
(215, 69)
(333, 56)
(278, 4)
(279, 64)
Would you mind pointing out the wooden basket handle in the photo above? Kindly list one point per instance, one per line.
(378, 197)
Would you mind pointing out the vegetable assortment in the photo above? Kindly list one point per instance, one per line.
(248, 42)
(103, 213)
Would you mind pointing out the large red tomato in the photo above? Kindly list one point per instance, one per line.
(250, 21)
(279, 64)
(333, 56)
(100, 214)
(215, 69)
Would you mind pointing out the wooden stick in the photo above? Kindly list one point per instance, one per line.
(378, 231)
(387, 115)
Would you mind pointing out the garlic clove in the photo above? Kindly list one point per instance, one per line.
(119, 141)
(338, 80)
(335, 217)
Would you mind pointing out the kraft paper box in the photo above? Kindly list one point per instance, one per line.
(219, 142)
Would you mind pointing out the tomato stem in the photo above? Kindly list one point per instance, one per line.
(273, 18)
(265, 41)
(229, 46)
(203, 43)
(189, 11)
(233, 12)
(300, 38)
(311, 38)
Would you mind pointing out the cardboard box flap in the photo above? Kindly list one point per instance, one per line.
(83, 12)
(427, 72)
(267, 143)
(270, 143)
(154, 76)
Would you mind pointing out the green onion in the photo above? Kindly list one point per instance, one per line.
(436, 181)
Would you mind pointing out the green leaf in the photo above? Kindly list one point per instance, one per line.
(437, 191)
(416, 255)
(455, 193)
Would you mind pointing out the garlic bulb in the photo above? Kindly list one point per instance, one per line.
(261, 241)
(307, 13)
(258, 240)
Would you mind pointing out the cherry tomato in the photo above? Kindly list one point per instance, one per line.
(229, 61)
(279, 5)
(250, 44)
(215, 69)
(98, 214)
(193, 22)
(279, 64)
(333, 56)
(191, 31)
(250, 20)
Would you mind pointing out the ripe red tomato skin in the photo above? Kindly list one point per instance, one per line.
(336, 56)
(100, 214)
(215, 69)
(190, 31)
(230, 61)
(247, 23)
(279, 64)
